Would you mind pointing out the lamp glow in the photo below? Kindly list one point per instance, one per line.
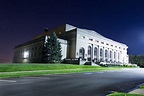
(26, 54)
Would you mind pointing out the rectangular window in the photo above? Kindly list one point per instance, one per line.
(102, 42)
(83, 37)
(107, 44)
(96, 41)
(90, 39)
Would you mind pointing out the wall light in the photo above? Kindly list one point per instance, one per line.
(26, 54)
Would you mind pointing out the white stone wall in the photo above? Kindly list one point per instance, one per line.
(63, 48)
(87, 38)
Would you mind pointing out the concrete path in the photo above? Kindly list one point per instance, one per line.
(137, 91)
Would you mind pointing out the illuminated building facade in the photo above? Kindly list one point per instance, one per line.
(87, 45)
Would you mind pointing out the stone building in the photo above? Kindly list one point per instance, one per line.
(85, 44)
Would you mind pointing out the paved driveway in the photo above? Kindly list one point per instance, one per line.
(81, 84)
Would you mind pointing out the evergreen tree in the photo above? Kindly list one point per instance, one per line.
(58, 55)
(52, 50)
(55, 48)
(46, 50)
(137, 59)
(48, 47)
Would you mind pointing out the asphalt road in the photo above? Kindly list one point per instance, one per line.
(81, 84)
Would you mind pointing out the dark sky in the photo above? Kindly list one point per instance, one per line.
(120, 20)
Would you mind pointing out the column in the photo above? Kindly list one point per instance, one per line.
(120, 56)
(116, 56)
(98, 54)
(112, 55)
(108, 55)
(92, 52)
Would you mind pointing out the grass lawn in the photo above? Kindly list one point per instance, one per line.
(141, 87)
(123, 94)
(35, 69)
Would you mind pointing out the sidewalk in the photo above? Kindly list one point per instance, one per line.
(137, 91)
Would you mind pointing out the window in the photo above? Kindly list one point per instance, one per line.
(96, 41)
(89, 51)
(90, 39)
(83, 37)
(101, 52)
(106, 53)
(111, 45)
(95, 52)
(81, 53)
(102, 42)
(107, 44)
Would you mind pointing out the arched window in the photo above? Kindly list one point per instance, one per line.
(106, 53)
(101, 52)
(95, 52)
(101, 55)
(89, 51)
(118, 56)
(110, 54)
(81, 53)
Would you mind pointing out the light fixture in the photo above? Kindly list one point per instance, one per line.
(26, 54)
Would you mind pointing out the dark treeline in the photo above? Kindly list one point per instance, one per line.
(137, 59)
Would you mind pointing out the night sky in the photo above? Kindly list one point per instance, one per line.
(120, 20)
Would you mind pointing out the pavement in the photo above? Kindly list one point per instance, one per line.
(137, 91)
(79, 84)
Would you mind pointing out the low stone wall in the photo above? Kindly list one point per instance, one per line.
(71, 61)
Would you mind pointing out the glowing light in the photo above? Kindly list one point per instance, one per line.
(26, 54)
